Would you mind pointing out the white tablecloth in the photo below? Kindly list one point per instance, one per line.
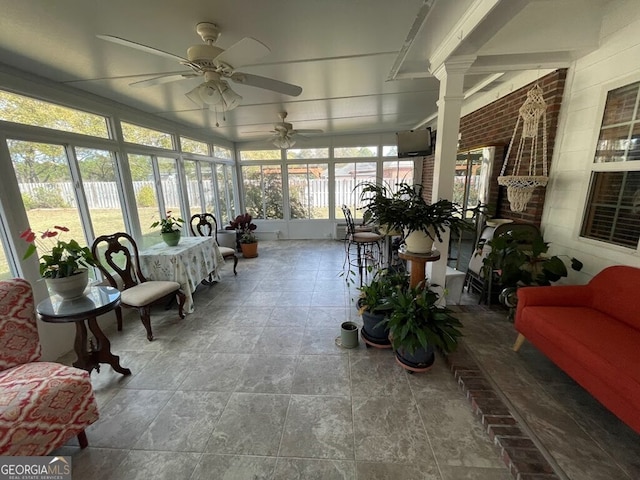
(188, 263)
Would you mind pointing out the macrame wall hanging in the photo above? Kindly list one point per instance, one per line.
(520, 185)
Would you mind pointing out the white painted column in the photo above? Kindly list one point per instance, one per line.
(451, 77)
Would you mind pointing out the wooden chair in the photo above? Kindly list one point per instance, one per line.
(206, 225)
(118, 260)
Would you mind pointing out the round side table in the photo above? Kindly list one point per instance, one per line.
(96, 301)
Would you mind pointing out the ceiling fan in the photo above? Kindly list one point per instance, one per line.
(283, 132)
(214, 64)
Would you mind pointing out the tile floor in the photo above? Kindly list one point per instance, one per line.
(252, 386)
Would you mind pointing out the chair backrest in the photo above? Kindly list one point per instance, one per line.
(204, 225)
(117, 255)
(19, 342)
(351, 226)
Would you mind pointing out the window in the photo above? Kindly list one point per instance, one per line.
(307, 153)
(193, 146)
(613, 205)
(145, 136)
(354, 152)
(221, 152)
(620, 132)
(389, 151)
(397, 171)
(613, 215)
(5, 269)
(46, 186)
(153, 202)
(224, 175)
(263, 196)
(308, 192)
(100, 185)
(29, 111)
(347, 177)
(260, 155)
(193, 187)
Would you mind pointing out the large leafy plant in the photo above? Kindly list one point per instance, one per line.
(375, 296)
(416, 321)
(62, 258)
(406, 209)
(520, 258)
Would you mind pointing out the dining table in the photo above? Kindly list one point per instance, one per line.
(190, 262)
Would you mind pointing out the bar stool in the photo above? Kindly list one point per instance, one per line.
(364, 245)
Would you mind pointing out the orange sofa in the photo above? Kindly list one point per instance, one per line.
(592, 332)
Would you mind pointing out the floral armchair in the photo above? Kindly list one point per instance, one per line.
(42, 404)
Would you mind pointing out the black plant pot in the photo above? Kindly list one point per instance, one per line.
(372, 332)
(420, 361)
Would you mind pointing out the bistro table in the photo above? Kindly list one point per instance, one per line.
(95, 301)
(190, 262)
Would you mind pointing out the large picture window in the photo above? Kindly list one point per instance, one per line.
(613, 205)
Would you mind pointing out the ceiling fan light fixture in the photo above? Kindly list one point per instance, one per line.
(230, 98)
(215, 93)
(284, 142)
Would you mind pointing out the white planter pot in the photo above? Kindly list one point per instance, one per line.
(418, 241)
(69, 287)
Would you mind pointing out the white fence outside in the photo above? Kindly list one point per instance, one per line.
(104, 195)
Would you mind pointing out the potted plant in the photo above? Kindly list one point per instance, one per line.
(374, 305)
(417, 326)
(381, 206)
(243, 226)
(170, 229)
(249, 244)
(520, 258)
(65, 266)
(405, 210)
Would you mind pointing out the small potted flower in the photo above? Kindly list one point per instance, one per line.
(170, 229)
(246, 240)
(65, 266)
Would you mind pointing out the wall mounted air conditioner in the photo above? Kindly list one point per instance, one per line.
(341, 232)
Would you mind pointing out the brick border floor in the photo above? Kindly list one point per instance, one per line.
(519, 453)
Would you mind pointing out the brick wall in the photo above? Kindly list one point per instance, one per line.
(493, 124)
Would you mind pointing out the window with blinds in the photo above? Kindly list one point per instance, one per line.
(613, 207)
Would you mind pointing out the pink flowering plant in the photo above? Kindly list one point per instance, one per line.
(63, 258)
(169, 224)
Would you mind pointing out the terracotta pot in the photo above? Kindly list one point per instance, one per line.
(249, 250)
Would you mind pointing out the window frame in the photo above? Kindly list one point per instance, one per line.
(605, 167)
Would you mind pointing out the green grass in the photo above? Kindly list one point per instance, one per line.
(104, 222)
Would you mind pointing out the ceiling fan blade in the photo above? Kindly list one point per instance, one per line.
(266, 83)
(139, 46)
(243, 52)
(307, 130)
(170, 77)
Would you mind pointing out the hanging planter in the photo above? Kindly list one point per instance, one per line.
(520, 187)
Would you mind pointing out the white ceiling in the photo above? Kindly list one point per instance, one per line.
(364, 65)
